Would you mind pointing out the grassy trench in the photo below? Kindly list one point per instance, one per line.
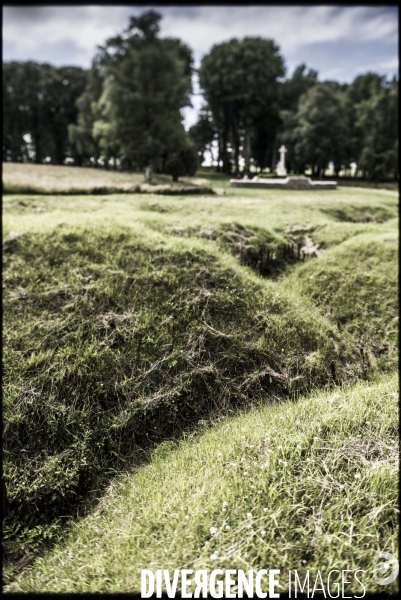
(115, 339)
(299, 485)
(129, 321)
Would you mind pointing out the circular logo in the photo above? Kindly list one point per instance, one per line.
(385, 568)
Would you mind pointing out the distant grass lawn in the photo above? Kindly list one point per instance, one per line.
(33, 178)
(134, 321)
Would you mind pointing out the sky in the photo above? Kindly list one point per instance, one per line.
(340, 42)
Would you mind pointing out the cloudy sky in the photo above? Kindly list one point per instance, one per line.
(338, 42)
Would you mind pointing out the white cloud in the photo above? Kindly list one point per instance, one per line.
(292, 27)
(82, 27)
(69, 34)
(382, 67)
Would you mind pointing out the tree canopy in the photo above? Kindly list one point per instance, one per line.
(321, 130)
(39, 102)
(240, 83)
(146, 83)
(127, 110)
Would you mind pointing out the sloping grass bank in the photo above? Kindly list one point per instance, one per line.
(130, 319)
(303, 485)
(354, 285)
(115, 338)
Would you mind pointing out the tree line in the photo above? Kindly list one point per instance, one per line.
(125, 112)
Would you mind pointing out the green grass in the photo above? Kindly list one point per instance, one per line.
(29, 178)
(130, 319)
(299, 485)
(353, 284)
(119, 335)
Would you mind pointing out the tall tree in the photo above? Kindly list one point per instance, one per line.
(240, 83)
(39, 100)
(15, 112)
(291, 90)
(377, 118)
(362, 89)
(322, 130)
(147, 81)
(62, 88)
(85, 146)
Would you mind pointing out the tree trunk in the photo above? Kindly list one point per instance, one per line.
(59, 152)
(175, 177)
(274, 156)
(218, 153)
(226, 166)
(149, 174)
(38, 150)
(236, 157)
(210, 149)
(247, 151)
(236, 143)
(266, 155)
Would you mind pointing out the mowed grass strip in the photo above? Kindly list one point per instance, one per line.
(299, 485)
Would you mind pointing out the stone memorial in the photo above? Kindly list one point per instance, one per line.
(281, 170)
(288, 183)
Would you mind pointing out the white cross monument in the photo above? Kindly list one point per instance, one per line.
(281, 170)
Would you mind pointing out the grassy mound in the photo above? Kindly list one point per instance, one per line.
(361, 214)
(304, 485)
(116, 338)
(129, 319)
(264, 250)
(354, 286)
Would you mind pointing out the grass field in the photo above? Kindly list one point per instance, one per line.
(47, 179)
(146, 334)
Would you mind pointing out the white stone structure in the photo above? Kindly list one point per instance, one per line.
(289, 183)
(281, 170)
(294, 182)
